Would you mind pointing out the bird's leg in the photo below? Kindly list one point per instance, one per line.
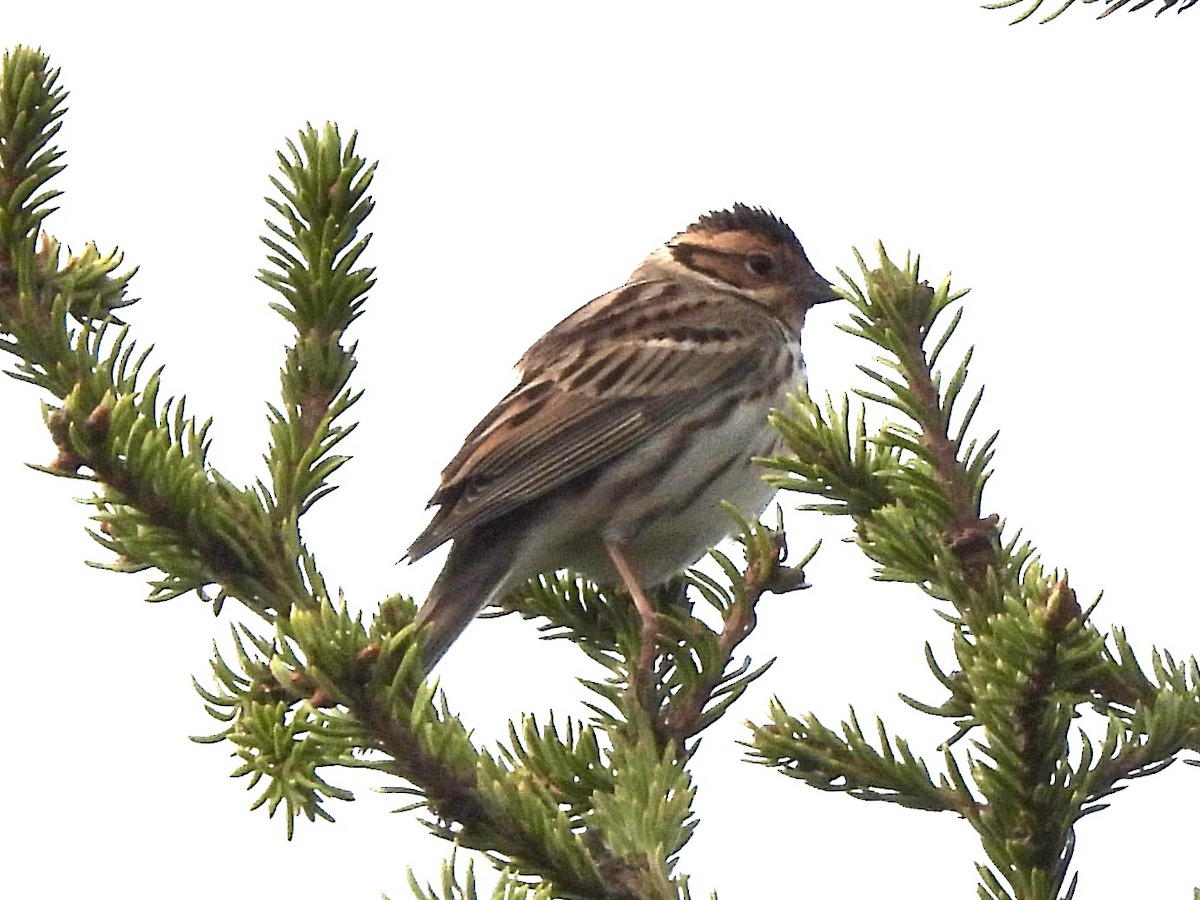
(641, 602)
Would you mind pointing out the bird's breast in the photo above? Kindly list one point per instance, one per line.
(661, 500)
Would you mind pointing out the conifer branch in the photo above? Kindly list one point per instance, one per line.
(1028, 657)
(804, 748)
(607, 794)
(159, 505)
(695, 677)
(330, 685)
(1111, 6)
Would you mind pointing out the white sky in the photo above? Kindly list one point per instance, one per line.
(531, 155)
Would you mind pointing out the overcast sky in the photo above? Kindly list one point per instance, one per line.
(531, 155)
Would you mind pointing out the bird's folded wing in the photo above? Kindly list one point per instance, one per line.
(605, 379)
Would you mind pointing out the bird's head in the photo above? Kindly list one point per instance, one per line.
(748, 250)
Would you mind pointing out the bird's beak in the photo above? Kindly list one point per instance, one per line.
(819, 289)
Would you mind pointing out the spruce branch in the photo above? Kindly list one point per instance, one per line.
(509, 886)
(279, 737)
(534, 808)
(1111, 6)
(619, 783)
(1022, 766)
(329, 686)
(324, 203)
(31, 104)
(804, 748)
(1166, 5)
(695, 679)
(831, 458)
(158, 504)
(1028, 657)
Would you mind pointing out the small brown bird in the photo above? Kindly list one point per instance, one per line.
(635, 417)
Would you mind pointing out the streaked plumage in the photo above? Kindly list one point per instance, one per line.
(634, 417)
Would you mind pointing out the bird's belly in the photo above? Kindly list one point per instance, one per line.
(669, 491)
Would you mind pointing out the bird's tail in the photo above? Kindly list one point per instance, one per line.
(476, 572)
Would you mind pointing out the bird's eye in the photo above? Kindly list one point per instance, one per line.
(760, 264)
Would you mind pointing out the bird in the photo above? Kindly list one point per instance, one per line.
(633, 419)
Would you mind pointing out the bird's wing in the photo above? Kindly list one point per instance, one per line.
(602, 381)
